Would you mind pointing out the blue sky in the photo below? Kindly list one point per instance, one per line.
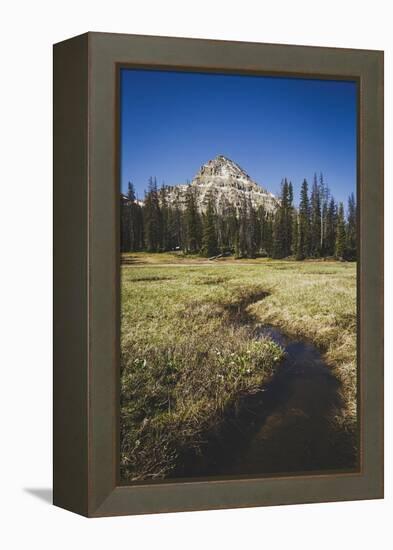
(173, 122)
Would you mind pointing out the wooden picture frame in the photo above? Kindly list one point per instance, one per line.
(86, 272)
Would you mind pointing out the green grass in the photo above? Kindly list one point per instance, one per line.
(188, 352)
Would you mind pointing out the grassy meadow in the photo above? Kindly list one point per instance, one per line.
(189, 350)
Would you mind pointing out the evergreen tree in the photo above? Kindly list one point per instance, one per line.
(192, 223)
(331, 227)
(165, 215)
(295, 234)
(324, 194)
(131, 222)
(303, 241)
(177, 226)
(290, 218)
(282, 227)
(315, 220)
(251, 230)
(262, 227)
(351, 251)
(136, 227)
(278, 235)
(340, 234)
(290, 194)
(152, 218)
(231, 228)
(324, 214)
(124, 226)
(241, 237)
(209, 238)
(268, 235)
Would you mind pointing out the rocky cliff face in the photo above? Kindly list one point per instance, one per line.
(228, 184)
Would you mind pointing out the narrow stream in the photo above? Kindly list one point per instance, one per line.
(287, 426)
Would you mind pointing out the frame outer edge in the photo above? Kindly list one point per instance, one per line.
(108, 49)
(371, 272)
(70, 269)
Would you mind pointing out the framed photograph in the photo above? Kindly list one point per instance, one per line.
(218, 274)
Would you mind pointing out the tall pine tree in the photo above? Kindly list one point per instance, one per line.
(209, 237)
(324, 194)
(340, 233)
(131, 222)
(303, 241)
(282, 227)
(152, 218)
(315, 220)
(295, 233)
(330, 229)
(351, 248)
(165, 215)
(192, 223)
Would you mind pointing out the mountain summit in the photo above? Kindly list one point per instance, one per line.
(223, 167)
(227, 184)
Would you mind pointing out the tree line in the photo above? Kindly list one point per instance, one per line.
(319, 227)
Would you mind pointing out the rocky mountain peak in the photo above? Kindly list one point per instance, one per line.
(228, 184)
(223, 167)
(224, 181)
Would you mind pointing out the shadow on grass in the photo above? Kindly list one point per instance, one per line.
(150, 279)
(130, 260)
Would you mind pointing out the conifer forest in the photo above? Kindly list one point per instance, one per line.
(315, 226)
